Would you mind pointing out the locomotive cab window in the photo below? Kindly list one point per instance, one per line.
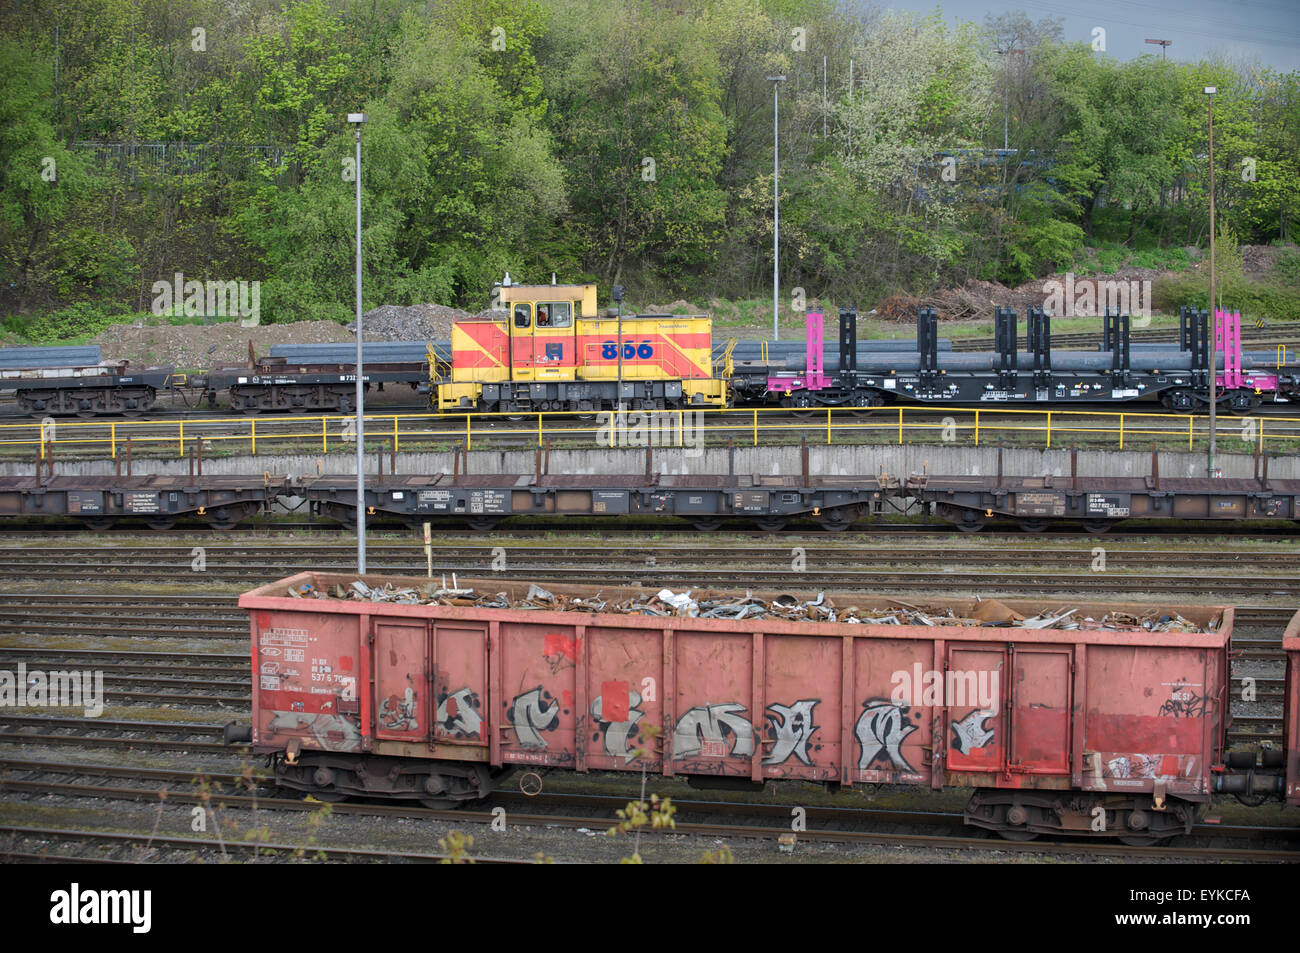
(523, 315)
(555, 314)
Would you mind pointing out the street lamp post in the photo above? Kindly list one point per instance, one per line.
(1214, 314)
(1006, 95)
(776, 82)
(357, 120)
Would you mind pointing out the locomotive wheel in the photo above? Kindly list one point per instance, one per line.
(87, 413)
(1033, 525)
(1097, 526)
(771, 524)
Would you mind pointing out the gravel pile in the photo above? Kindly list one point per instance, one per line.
(417, 322)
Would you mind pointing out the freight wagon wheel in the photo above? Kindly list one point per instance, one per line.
(90, 412)
(1033, 526)
(1140, 840)
(1242, 403)
(483, 524)
(771, 525)
(99, 524)
(161, 522)
(1008, 833)
(706, 526)
(1097, 526)
(227, 517)
(803, 412)
(970, 522)
(860, 412)
(836, 521)
(328, 797)
(439, 803)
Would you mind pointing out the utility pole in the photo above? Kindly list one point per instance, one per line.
(1214, 310)
(776, 82)
(359, 119)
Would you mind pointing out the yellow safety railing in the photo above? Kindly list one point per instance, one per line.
(895, 425)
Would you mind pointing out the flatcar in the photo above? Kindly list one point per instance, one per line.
(1111, 727)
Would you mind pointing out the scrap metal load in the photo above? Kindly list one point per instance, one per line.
(707, 604)
(77, 380)
(430, 701)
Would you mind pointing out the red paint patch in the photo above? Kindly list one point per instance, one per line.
(566, 697)
(453, 706)
(560, 645)
(613, 701)
(345, 661)
(1169, 766)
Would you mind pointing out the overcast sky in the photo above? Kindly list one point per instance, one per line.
(1263, 31)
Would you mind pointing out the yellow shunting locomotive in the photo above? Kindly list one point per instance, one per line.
(549, 349)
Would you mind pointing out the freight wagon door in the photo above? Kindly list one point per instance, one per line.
(974, 692)
(1040, 711)
(460, 672)
(401, 679)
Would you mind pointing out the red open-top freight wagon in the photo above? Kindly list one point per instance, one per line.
(1089, 730)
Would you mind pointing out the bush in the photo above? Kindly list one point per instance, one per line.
(78, 321)
(1253, 299)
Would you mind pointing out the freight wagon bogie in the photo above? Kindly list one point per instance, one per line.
(1137, 820)
(336, 777)
(87, 402)
(254, 399)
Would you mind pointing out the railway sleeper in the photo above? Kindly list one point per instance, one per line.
(335, 777)
(1132, 818)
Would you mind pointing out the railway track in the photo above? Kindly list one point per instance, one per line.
(833, 825)
(523, 528)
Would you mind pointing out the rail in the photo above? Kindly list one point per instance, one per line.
(674, 428)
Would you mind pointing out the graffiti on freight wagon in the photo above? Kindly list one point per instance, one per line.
(880, 730)
(618, 717)
(532, 713)
(792, 729)
(458, 714)
(972, 732)
(713, 731)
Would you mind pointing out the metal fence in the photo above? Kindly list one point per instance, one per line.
(675, 428)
